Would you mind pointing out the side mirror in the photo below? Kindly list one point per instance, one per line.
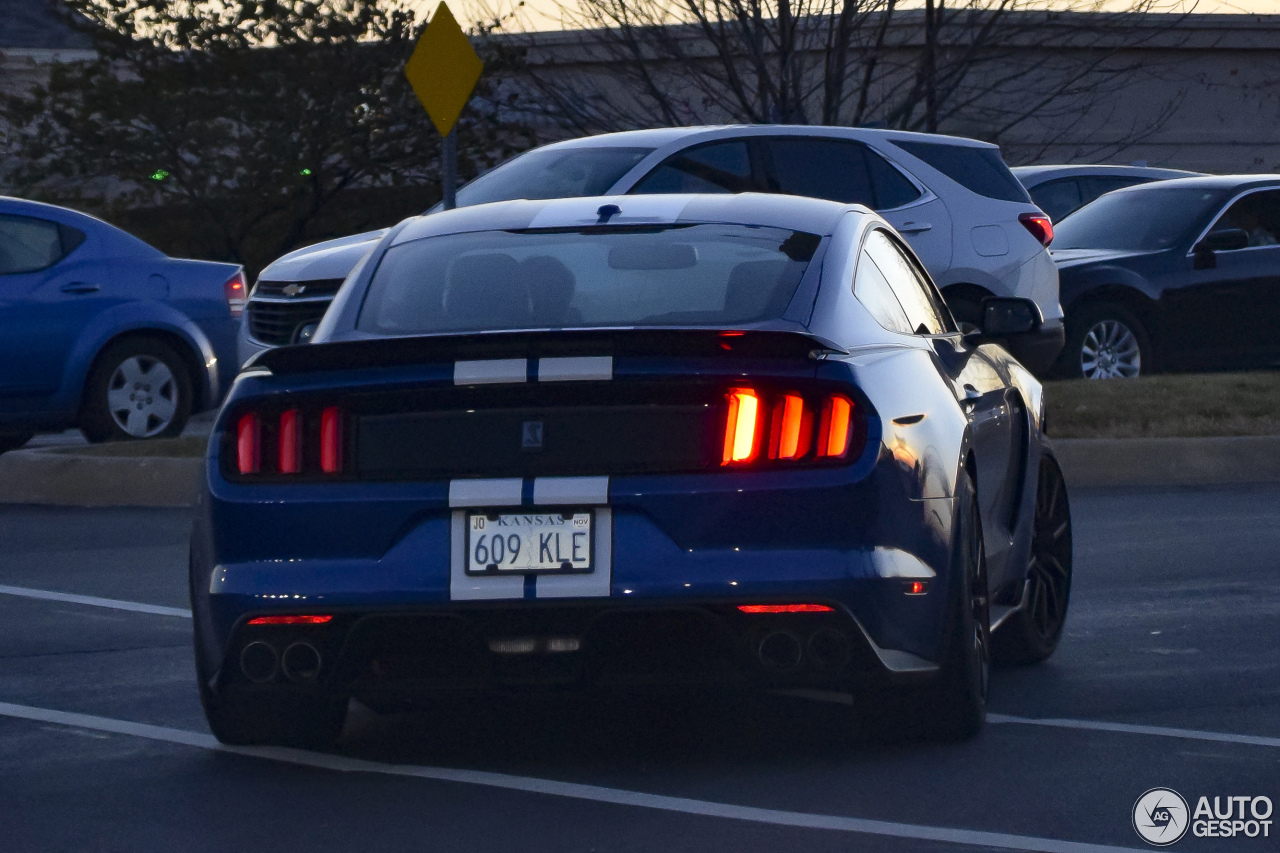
(1004, 317)
(1226, 240)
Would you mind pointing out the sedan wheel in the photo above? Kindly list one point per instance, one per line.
(142, 396)
(138, 388)
(1110, 351)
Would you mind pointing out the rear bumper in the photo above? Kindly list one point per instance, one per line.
(393, 656)
(384, 559)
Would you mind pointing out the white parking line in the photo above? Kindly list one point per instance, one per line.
(1127, 728)
(93, 601)
(572, 790)
(1082, 725)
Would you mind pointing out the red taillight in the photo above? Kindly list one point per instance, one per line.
(784, 426)
(782, 608)
(290, 620)
(741, 426)
(331, 440)
(237, 291)
(1040, 226)
(249, 444)
(792, 427)
(290, 443)
(834, 426)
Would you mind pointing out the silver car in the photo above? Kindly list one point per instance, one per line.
(955, 201)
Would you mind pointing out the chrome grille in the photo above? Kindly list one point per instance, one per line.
(279, 309)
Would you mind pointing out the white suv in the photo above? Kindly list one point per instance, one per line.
(955, 201)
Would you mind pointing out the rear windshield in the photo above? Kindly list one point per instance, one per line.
(685, 275)
(553, 173)
(978, 169)
(1136, 220)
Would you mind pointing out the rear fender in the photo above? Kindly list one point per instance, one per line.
(134, 318)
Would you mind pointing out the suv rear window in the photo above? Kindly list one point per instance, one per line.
(553, 173)
(980, 170)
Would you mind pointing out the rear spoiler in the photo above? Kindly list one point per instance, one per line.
(394, 352)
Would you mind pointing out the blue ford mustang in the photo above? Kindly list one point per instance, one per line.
(664, 439)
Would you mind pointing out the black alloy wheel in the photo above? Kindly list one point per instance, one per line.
(1032, 633)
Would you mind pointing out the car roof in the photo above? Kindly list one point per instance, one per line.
(1033, 175)
(811, 215)
(662, 136)
(1210, 182)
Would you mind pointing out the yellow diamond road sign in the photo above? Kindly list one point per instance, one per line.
(443, 70)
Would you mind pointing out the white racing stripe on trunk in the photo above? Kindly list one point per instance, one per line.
(576, 369)
(571, 790)
(93, 601)
(571, 490)
(485, 493)
(490, 371)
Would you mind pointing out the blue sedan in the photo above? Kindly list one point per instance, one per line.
(626, 441)
(101, 331)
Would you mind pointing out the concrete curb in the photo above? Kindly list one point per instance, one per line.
(63, 477)
(1106, 462)
(60, 476)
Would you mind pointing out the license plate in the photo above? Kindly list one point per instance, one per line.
(523, 542)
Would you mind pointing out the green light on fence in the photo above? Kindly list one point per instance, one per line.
(159, 175)
(305, 172)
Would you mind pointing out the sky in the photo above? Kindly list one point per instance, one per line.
(544, 15)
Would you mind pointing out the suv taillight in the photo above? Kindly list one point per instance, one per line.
(1040, 226)
(791, 427)
(237, 293)
(290, 442)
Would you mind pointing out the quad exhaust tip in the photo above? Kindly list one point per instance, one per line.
(301, 662)
(779, 650)
(259, 662)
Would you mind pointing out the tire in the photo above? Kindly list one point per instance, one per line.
(14, 440)
(1104, 341)
(953, 706)
(139, 387)
(1031, 634)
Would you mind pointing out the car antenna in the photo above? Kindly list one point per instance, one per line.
(605, 212)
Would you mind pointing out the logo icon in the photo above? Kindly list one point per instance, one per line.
(532, 435)
(1160, 816)
(294, 289)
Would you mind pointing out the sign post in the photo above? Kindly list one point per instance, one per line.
(443, 72)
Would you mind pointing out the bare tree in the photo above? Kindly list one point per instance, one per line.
(257, 119)
(979, 67)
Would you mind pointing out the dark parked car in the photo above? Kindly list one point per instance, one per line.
(101, 331)
(1176, 275)
(1062, 190)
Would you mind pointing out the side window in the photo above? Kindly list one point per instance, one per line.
(822, 168)
(915, 293)
(1058, 198)
(873, 291)
(891, 188)
(1102, 186)
(28, 245)
(721, 167)
(1258, 215)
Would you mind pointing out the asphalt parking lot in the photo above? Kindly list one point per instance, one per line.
(1169, 675)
